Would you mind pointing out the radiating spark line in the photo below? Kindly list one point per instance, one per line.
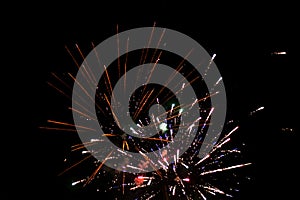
(85, 144)
(72, 56)
(159, 139)
(222, 143)
(183, 79)
(202, 195)
(151, 72)
(140, 108)
(142, 56)
(76, 182)
(149, 42)
(186, 179)
(115, 117)
(123, 152)
(59, 90)
(125, 64)
(231, 151)
(97, 170)
(179, 90)
(74, 60)
(173, 191)
(158, 43)
(279, 53)
(89, 78)
(232, 131)
(218, 81)
(72, 166)
(59, 129)
(208, 116)
(82, 88)
(61, 81)
(118, 47)
(64, 94)
(134, 131)
(256, 110)
(186, 166)
(225, 168)
(139, 186)
(207, 156)
(82, 147)
(150, 161)
(171, 77)
(178, 68)
(133, 167)
(216, 190)
(164, 167)
(67, 124)
(81, 113)
(87, 66)
(108, 85)
(186, 106)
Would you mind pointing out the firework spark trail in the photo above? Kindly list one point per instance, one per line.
(59, 90)
(65, 129)
(207, 118)
(125, 64)
(171, 77)
(158, 43)
(82, 113)
(96, 171)
(143, 57)
(91, 78)
(146, 97)
(59, 129)
(225, 168)
(151, 72)
(118, 48)
(152, 58)
(69, 97)
(218, 145)
(74, 165)
(85, 144)
(107, 82)
(149, 42)
(77, 64)
(68, 124)
(114, 115)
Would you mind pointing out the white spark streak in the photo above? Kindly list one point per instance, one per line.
(184, 165)
(218, 81)
(173, 192)
(225, 168)
(196, 100)
(202, 195)
(76, 182)
(207, 156)
(123, 152)
(182, 87)
(133, 131)
(133, 167)
(164, 167)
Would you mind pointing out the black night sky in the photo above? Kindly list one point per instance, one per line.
(244, 39)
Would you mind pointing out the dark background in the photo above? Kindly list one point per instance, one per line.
(242, 35)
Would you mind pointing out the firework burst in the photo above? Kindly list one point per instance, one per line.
(169, 172)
